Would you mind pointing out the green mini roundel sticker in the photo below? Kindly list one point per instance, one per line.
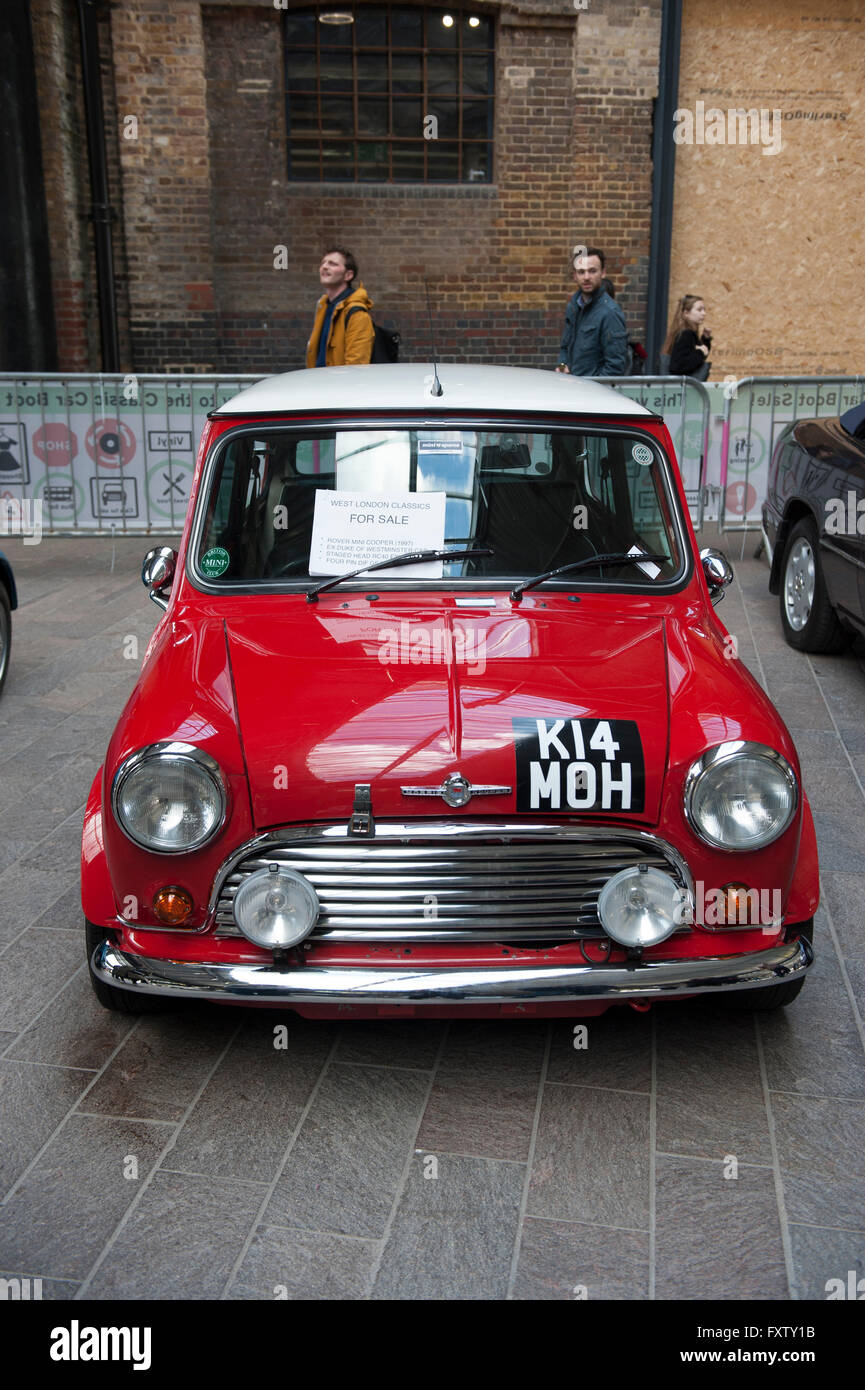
(215, 562)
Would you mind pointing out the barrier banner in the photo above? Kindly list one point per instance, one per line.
(116, 453)
(684, 405)
(758, 408)
(104, 453)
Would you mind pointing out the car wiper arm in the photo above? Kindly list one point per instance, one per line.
(411, 557)
(589, 563)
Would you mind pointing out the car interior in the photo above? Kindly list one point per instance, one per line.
(537, 501)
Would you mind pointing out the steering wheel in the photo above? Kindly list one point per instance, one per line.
(288, 567)
(589, 542)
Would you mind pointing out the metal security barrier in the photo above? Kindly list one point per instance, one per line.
(104, 454)
(684, 404)
(757, 409)
(110, 454)
(100, 454)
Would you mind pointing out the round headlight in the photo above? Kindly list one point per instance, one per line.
(169, 798)
(640, 907)
(740, 796)
(276, 907)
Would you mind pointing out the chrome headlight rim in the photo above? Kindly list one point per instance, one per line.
(732, 751)
(611, 909)
(177, 752)
(275, 877)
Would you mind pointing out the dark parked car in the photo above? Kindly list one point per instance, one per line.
(8, 601)
(814, 526)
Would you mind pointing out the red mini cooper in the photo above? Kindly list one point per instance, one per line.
(439, 721)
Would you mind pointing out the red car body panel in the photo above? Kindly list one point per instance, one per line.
(314, 696)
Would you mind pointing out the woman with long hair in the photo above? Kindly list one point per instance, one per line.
(688, 341)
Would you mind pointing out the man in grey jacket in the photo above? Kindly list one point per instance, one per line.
(595, 340)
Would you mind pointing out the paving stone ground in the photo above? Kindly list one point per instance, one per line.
(184, 1157)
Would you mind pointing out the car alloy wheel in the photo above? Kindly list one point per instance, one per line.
(799, 584)
(809, 621)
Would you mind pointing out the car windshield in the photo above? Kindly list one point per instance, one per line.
(284, 506)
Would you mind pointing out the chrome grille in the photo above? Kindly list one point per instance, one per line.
(450, 882)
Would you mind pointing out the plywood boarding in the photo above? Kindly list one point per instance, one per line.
(772, 234)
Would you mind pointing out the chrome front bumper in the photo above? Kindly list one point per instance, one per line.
(268, 984)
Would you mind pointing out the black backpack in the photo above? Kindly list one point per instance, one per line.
(387, 340)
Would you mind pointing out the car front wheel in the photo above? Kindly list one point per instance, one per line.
(771, 997)
(807, 617)
(119, 1001)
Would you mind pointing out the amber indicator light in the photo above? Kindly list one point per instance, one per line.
(737, 907)
(172, 906)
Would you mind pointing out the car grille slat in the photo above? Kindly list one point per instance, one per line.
(476, 890)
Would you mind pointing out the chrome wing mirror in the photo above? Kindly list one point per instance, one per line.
(157, 572)
(718, 572)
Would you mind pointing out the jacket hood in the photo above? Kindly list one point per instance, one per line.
(357, 297)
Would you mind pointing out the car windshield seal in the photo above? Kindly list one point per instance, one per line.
(410, 420)
(623, 558)
(410, 557)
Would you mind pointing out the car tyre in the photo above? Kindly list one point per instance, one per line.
(809, 621)
(5, 634)
(775, 996)
(119, 1001)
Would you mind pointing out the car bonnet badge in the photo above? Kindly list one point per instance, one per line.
(456, 790)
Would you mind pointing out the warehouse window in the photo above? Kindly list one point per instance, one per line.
(389, 94)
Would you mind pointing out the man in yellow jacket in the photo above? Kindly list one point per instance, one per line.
(333, 342)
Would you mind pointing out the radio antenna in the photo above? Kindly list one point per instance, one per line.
(436, 388)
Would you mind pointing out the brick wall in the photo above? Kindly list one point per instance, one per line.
(165, 172)
(616, 81)
(56, 47)
(572, 146)
(204, 198)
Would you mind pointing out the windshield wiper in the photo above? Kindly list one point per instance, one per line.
(590, 563)
(411, 557)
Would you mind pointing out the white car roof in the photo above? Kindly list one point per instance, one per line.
(407, 386)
